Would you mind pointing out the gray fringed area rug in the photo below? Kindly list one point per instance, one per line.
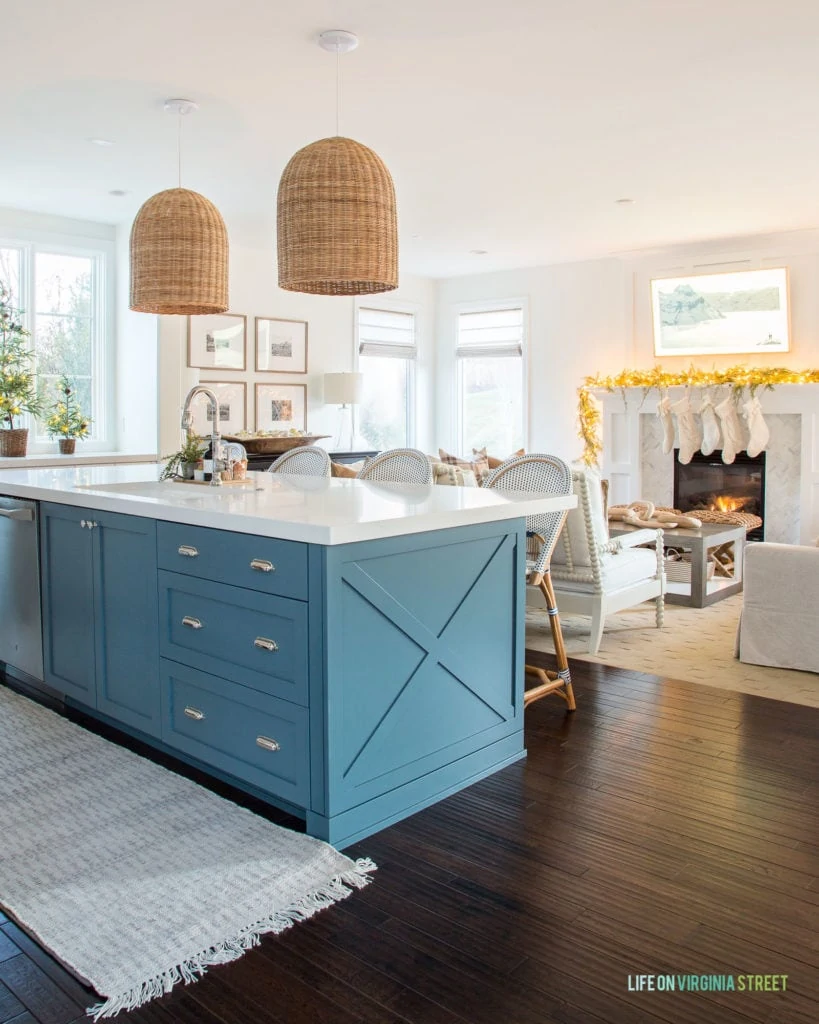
(134, 877)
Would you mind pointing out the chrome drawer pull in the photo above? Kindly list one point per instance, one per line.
(195, 714)
(261, 565)
(84, 523)
(187, 551)
(264, 644)
(191, 622)
(267, 744)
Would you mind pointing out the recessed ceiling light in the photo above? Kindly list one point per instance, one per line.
(101, 142)
(478, 252)
(118, 192)
(625, 202)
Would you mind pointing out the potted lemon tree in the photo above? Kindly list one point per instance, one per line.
(67, 421)
(18, 390)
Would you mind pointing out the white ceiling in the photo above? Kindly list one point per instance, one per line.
(508, 125)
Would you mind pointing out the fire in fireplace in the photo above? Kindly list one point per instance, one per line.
(706, 482)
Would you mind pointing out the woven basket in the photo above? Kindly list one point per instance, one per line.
(67, 445)
(179, 255)
(337, 227)
(274, 445)
(13, 443)
(678, 568)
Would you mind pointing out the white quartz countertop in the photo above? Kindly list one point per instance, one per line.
(310, 509)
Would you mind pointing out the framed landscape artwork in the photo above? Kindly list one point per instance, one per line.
(281, 345)
(232, 399)
(281, 407)
(735, 312)
(217, 342)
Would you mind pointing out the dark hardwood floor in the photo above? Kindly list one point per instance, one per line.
(665, 828)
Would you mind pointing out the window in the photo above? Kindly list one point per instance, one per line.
(386, 358)
(490, 380)
(62, 293)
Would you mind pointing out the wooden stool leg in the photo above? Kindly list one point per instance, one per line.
(559, 682)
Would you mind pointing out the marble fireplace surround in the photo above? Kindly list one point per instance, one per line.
(636, 467)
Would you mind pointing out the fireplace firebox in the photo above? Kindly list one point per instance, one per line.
(706, 482)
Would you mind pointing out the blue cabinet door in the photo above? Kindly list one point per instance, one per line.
(68, 602)
(127, 635)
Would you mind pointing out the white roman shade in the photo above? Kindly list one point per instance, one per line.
(492, 332)
(383, 332)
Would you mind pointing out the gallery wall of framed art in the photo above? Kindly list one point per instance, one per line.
(265, 354)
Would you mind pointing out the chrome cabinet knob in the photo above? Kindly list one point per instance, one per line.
(264, 644)
(187, 551)
(83, 523)
(191, 622)
(194, 713)
(267, 744)
(262, 565)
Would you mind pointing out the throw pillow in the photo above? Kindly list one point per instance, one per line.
(479, 466)
(452, 476)
(493, 462)
(350, 471)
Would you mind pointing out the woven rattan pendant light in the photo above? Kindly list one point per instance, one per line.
(179, 249)
(337, 227)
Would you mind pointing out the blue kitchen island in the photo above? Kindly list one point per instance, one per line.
(348, 651)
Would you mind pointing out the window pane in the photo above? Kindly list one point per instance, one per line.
(10, 273)
(63, 345)
(382, 419)
(63, 284)
(492, 404)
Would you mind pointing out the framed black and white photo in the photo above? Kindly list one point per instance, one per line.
(281, 345)
(232, 399)
(281, 407)
(217, 342)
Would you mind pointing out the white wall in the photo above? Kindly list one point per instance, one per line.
(595, 317)
(579, 317)
(331, 342)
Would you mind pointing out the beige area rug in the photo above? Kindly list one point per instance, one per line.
(695, 645)
(135, 877)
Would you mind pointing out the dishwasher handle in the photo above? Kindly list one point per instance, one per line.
(23, 515)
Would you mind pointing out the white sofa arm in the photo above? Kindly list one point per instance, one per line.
(781, 595)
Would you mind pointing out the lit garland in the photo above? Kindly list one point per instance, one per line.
(736, 377)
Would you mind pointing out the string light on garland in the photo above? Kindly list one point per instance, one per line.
(737, 377)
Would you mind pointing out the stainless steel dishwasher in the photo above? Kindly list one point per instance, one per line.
(21, 643)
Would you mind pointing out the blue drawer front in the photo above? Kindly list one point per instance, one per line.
(233, 729)
(234, 625)
(229, 558)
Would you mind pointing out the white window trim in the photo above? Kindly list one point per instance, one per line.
(30, 242)
(488, 306)
(391, 306)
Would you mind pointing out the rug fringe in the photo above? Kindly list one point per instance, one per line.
(190, 970)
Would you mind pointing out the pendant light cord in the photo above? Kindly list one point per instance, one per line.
(338, 89)
(179, 147)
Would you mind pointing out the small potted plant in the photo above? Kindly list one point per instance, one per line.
(183, 463)
(67, 421)
(18, 391)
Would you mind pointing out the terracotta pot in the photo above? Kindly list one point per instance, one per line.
(13, 443)
(67, 445)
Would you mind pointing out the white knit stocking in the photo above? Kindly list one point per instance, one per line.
(760, 435)
(710, 427)
(667, 421)
(687, 428)
(731, 428)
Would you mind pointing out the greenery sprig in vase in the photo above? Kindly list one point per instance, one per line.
(18, 389)
(67, 422)
(182, 463)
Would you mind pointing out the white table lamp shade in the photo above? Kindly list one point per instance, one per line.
(343, 388)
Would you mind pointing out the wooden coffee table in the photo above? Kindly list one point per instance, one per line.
(700, 542)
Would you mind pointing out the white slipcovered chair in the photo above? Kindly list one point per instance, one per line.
(597, 576)
(779, 602)
(398, 466)
(305, 461)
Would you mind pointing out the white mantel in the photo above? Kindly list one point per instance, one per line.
(636, 467)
